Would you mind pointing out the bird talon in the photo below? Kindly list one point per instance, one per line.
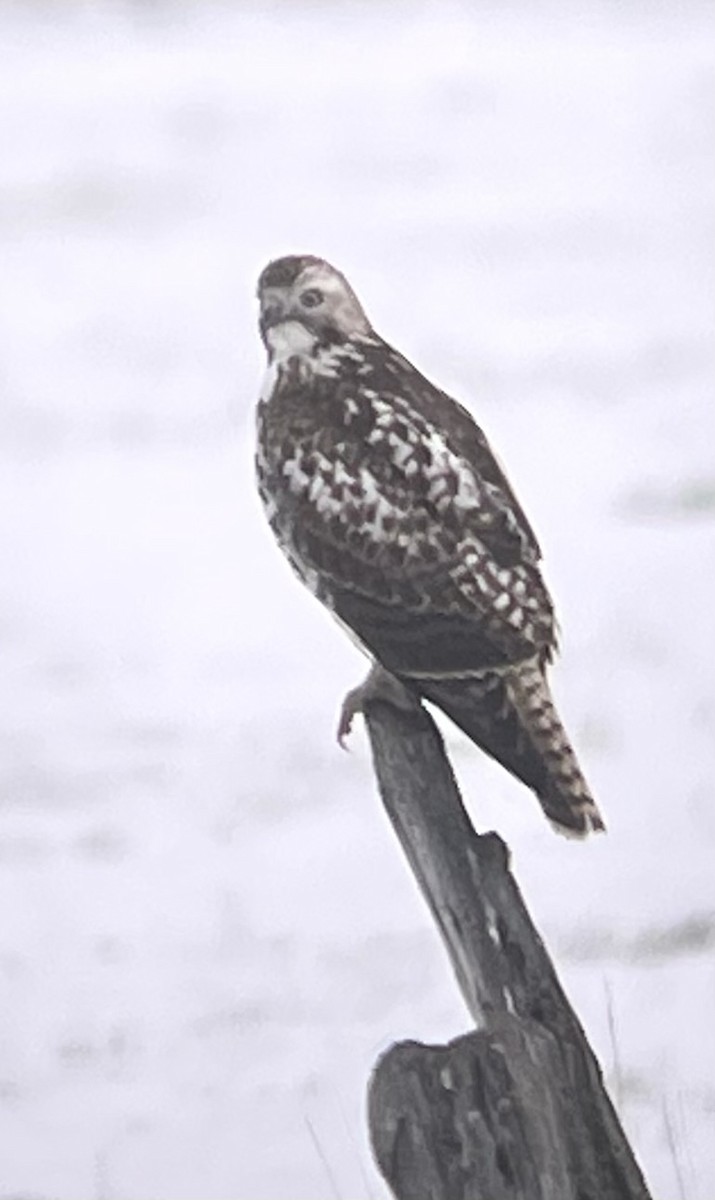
(379, 685)
(352, 704)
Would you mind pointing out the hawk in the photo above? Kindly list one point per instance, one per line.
(391, 507)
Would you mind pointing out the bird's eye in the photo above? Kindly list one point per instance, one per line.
(311, 298)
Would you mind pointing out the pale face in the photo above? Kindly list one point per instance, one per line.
(308, 293)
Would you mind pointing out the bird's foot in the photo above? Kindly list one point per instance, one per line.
(379, 685)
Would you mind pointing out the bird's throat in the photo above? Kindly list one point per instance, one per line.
(289, 339)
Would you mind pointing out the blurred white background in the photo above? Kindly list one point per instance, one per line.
(208, 932)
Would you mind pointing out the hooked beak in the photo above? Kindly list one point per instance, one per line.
(272, 313)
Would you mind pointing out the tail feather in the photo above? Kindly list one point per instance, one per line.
(511, 715)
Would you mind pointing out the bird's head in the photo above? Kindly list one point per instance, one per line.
(307, 292)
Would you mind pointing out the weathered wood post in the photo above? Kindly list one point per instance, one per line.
(516, 1110)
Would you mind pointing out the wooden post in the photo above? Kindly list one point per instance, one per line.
(516, 1110)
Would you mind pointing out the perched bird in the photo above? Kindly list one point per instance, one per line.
(391, 507)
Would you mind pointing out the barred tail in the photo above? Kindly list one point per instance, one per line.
(511, 715)
(565, 796)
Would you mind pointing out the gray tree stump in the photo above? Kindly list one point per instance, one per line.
(516, 1110)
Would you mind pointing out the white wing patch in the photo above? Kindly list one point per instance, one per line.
(462, 489)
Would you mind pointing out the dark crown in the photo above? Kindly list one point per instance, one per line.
(282, 272)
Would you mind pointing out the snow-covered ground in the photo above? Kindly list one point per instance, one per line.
(207, 931)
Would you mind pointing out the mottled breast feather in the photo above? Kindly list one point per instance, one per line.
(385, 496)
